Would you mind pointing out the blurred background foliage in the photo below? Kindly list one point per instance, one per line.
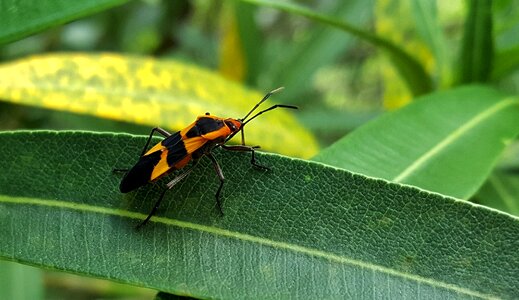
(329, 73)
(338, 80)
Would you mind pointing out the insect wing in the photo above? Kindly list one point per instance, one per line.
(140, 174)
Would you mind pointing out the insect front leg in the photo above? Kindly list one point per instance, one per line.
(219, 172)
(169, 186)
(251, 149)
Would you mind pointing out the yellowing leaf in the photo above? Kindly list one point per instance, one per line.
(146, 91)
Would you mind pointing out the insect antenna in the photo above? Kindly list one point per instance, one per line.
(244, 121)
(262, 100)
(270, 108)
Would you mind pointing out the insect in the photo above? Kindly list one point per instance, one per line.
(195, 141)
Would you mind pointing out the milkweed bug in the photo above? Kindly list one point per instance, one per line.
(195, 141)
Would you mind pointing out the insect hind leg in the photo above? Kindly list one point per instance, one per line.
(169, 186)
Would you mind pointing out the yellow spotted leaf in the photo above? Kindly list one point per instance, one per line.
(147, 91)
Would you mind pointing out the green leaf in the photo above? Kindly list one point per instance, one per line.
(446, 142)
(428, 26)
(302, 230)
(322, 46)
(417, 79)
(506, 62)
(250, 38)
(19, 19)
(501, 190)
(19, 282)
(477, 51)
(146, 91)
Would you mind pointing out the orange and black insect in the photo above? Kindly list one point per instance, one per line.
(190, 144)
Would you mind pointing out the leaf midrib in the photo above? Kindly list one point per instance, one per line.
(453, 137)
(239, 236)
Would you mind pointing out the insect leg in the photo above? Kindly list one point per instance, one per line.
(219, 172)
(251, 149)
(156, 129)
(169, 186)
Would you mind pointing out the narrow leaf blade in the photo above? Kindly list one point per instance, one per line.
(19, 19)
(477, 51)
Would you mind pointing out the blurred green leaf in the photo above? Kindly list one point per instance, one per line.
(446, 142)
(232, 64)
(477, 53)
(304, 230)
(426, 19)
(501, 190)
(19, 282)
(60, 285)
(19, 19)
(506, 62)
(146, 91)
(414, 74)
(250, 38)
(295, 64)
(505, 23)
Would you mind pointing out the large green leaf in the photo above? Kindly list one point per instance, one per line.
(21, 18)
(304, 230)
(445, 142)
(146, 91)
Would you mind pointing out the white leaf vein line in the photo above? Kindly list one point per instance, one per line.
(243, 237)
(451, 138)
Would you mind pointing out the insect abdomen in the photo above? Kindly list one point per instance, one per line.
(140, 174)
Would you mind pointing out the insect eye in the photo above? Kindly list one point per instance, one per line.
(230, 125)
(207, 114)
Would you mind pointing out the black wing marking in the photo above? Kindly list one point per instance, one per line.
(140, 174)
(176, 148)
